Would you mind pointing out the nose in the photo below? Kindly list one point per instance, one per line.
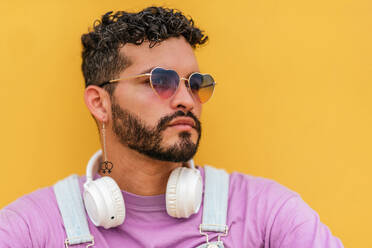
(183, 97)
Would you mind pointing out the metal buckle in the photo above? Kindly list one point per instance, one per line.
(221, 234)
(224, 234)
(67, 243)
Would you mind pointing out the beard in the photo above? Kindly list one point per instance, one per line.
(135, 134)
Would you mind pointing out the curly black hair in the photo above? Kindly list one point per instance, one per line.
(101, 58)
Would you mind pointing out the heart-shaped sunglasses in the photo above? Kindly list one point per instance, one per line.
(166, 82)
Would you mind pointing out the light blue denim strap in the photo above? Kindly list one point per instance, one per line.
(72, 209)
(216, 192)
(215, 200)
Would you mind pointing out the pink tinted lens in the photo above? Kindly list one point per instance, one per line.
(164, 82)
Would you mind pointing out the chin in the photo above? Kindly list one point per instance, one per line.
(181, 137)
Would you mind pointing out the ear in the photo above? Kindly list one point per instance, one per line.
(98, 102)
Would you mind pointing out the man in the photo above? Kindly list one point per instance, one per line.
(145, 92)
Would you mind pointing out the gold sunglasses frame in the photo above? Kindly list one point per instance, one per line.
(152, 86)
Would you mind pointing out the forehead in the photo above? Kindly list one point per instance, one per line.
(173, 53)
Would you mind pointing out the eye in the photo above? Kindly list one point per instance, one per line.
(195, 86)
(196, 82)
(145, 81)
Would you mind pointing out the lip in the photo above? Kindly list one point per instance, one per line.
(183, 121)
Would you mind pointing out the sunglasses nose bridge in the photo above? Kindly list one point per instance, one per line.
(187, 85)
(186, 82)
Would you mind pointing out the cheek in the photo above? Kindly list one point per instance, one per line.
(197, 110)
(143, 102)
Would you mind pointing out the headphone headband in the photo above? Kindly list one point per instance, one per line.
(93, 165)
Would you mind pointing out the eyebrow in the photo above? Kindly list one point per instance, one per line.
(148, 70)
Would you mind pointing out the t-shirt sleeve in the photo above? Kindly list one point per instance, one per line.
(14, 232)
(295, 225)
(33, 220)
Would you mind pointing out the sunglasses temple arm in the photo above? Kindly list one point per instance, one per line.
(130, 77)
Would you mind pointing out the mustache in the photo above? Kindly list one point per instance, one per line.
(164, 121)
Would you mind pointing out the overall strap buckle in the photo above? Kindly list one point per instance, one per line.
(67, 243)
(215, 226)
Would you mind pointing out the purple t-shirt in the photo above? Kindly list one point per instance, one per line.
(261, 214)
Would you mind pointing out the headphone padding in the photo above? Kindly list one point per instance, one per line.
(171, 193)
(184, 192)
(104, 202)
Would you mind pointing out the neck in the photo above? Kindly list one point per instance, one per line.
(137, 173)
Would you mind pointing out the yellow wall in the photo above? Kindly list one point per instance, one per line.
(293, 101)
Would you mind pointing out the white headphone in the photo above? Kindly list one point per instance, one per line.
(104, 201)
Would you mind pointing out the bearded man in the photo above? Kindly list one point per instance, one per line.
(145, 91)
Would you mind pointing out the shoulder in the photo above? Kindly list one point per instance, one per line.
(40, 202)
(27, 218)
(41, 198)
(259, 200)
(252, 188)
(280, 214)
(32, 218)
(35, 208)
(258, 189)
(251, 194)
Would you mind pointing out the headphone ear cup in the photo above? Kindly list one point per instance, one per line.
(104, 202)
(184, 192)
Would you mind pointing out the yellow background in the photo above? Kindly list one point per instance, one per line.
(293, 101)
